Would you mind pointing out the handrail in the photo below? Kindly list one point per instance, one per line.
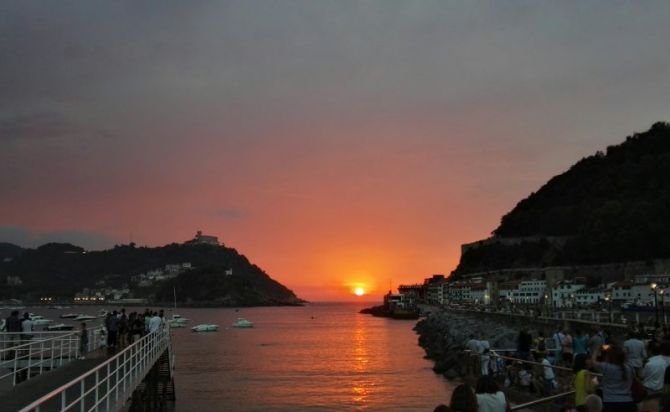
(39, 355)
(541, 400)
(128, 361)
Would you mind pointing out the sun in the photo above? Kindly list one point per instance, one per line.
(359, 291)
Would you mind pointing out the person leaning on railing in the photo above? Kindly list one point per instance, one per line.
(583, 382)
(616, 381)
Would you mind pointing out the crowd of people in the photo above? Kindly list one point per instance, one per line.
(120, 329)
(123, 329)
(618, 375)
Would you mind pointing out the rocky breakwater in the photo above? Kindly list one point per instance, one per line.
(444, 335)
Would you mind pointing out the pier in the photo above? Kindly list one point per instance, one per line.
(45, 374)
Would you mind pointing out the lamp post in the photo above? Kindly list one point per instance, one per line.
(662, 293)
(608, 302)
(546, 305)
(654, 286)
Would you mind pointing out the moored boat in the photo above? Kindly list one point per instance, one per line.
(205, 327)
(69, 315)
(243, 323)
(85, 317)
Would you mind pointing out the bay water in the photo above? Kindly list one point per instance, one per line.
(319, 357)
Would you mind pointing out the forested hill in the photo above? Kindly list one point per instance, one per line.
(61, 270)
(609, 207)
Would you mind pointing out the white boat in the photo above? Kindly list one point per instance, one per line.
(39, 320)
(205, 327)
(177, 321)
(60, 326)
(85, 317)
(69, 315)
(243, 323)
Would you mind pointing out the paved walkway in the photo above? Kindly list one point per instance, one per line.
(29, 391)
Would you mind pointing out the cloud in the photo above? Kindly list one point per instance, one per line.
(230, 213)
(27, 238)
(44, 124)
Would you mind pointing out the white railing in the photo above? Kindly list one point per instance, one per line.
(109, 385)
(24, 356)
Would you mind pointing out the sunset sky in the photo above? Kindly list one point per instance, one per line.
(337, 144)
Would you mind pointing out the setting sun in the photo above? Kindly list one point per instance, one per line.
(359, 291)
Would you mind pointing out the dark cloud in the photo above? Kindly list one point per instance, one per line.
(44, 124)
(27, 238)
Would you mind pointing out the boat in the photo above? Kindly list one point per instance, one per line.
(177, 321)
(69, 315)
(243, 323)
(85, 317)
(205, 327)
(39, 320)
(60, 326)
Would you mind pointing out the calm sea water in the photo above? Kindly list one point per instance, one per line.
(322, 357)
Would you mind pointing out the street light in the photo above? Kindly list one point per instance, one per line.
(653, 287)
(662, 293)
(609, 304)
(546, 304)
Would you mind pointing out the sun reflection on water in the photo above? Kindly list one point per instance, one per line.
(361, 385)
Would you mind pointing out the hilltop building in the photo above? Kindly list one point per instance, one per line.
(201, 239)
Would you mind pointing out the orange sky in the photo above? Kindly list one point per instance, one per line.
(334, 144)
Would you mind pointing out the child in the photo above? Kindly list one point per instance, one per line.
(83, 341)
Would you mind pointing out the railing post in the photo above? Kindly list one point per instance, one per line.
(97, 386)
(16, 356)
(82, 398)
(107, 394)
(53, 343)
(116, 385)
(41, 359)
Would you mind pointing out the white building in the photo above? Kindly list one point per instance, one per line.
(529, 291)
(563, 294)
(588, 296)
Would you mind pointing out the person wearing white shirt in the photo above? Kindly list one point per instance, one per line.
(548, 375)
(653, 374)
(635, 352)
(489, 398)
(154, 323)
(26, 327)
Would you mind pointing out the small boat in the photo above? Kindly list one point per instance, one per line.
(60, 326)
(177, 321)
(69, 315)
(243, 323)
(39, 320)
(85, 317)
(205, 327)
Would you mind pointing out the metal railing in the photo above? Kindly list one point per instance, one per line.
(25, 356)
(109, 385)
(563, 376)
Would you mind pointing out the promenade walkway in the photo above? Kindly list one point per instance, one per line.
(102, 382)
(26, 392)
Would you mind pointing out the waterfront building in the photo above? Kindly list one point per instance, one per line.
(412, 293)
(588, 296)
(529, 291)
(434, 289)
(564, 293)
